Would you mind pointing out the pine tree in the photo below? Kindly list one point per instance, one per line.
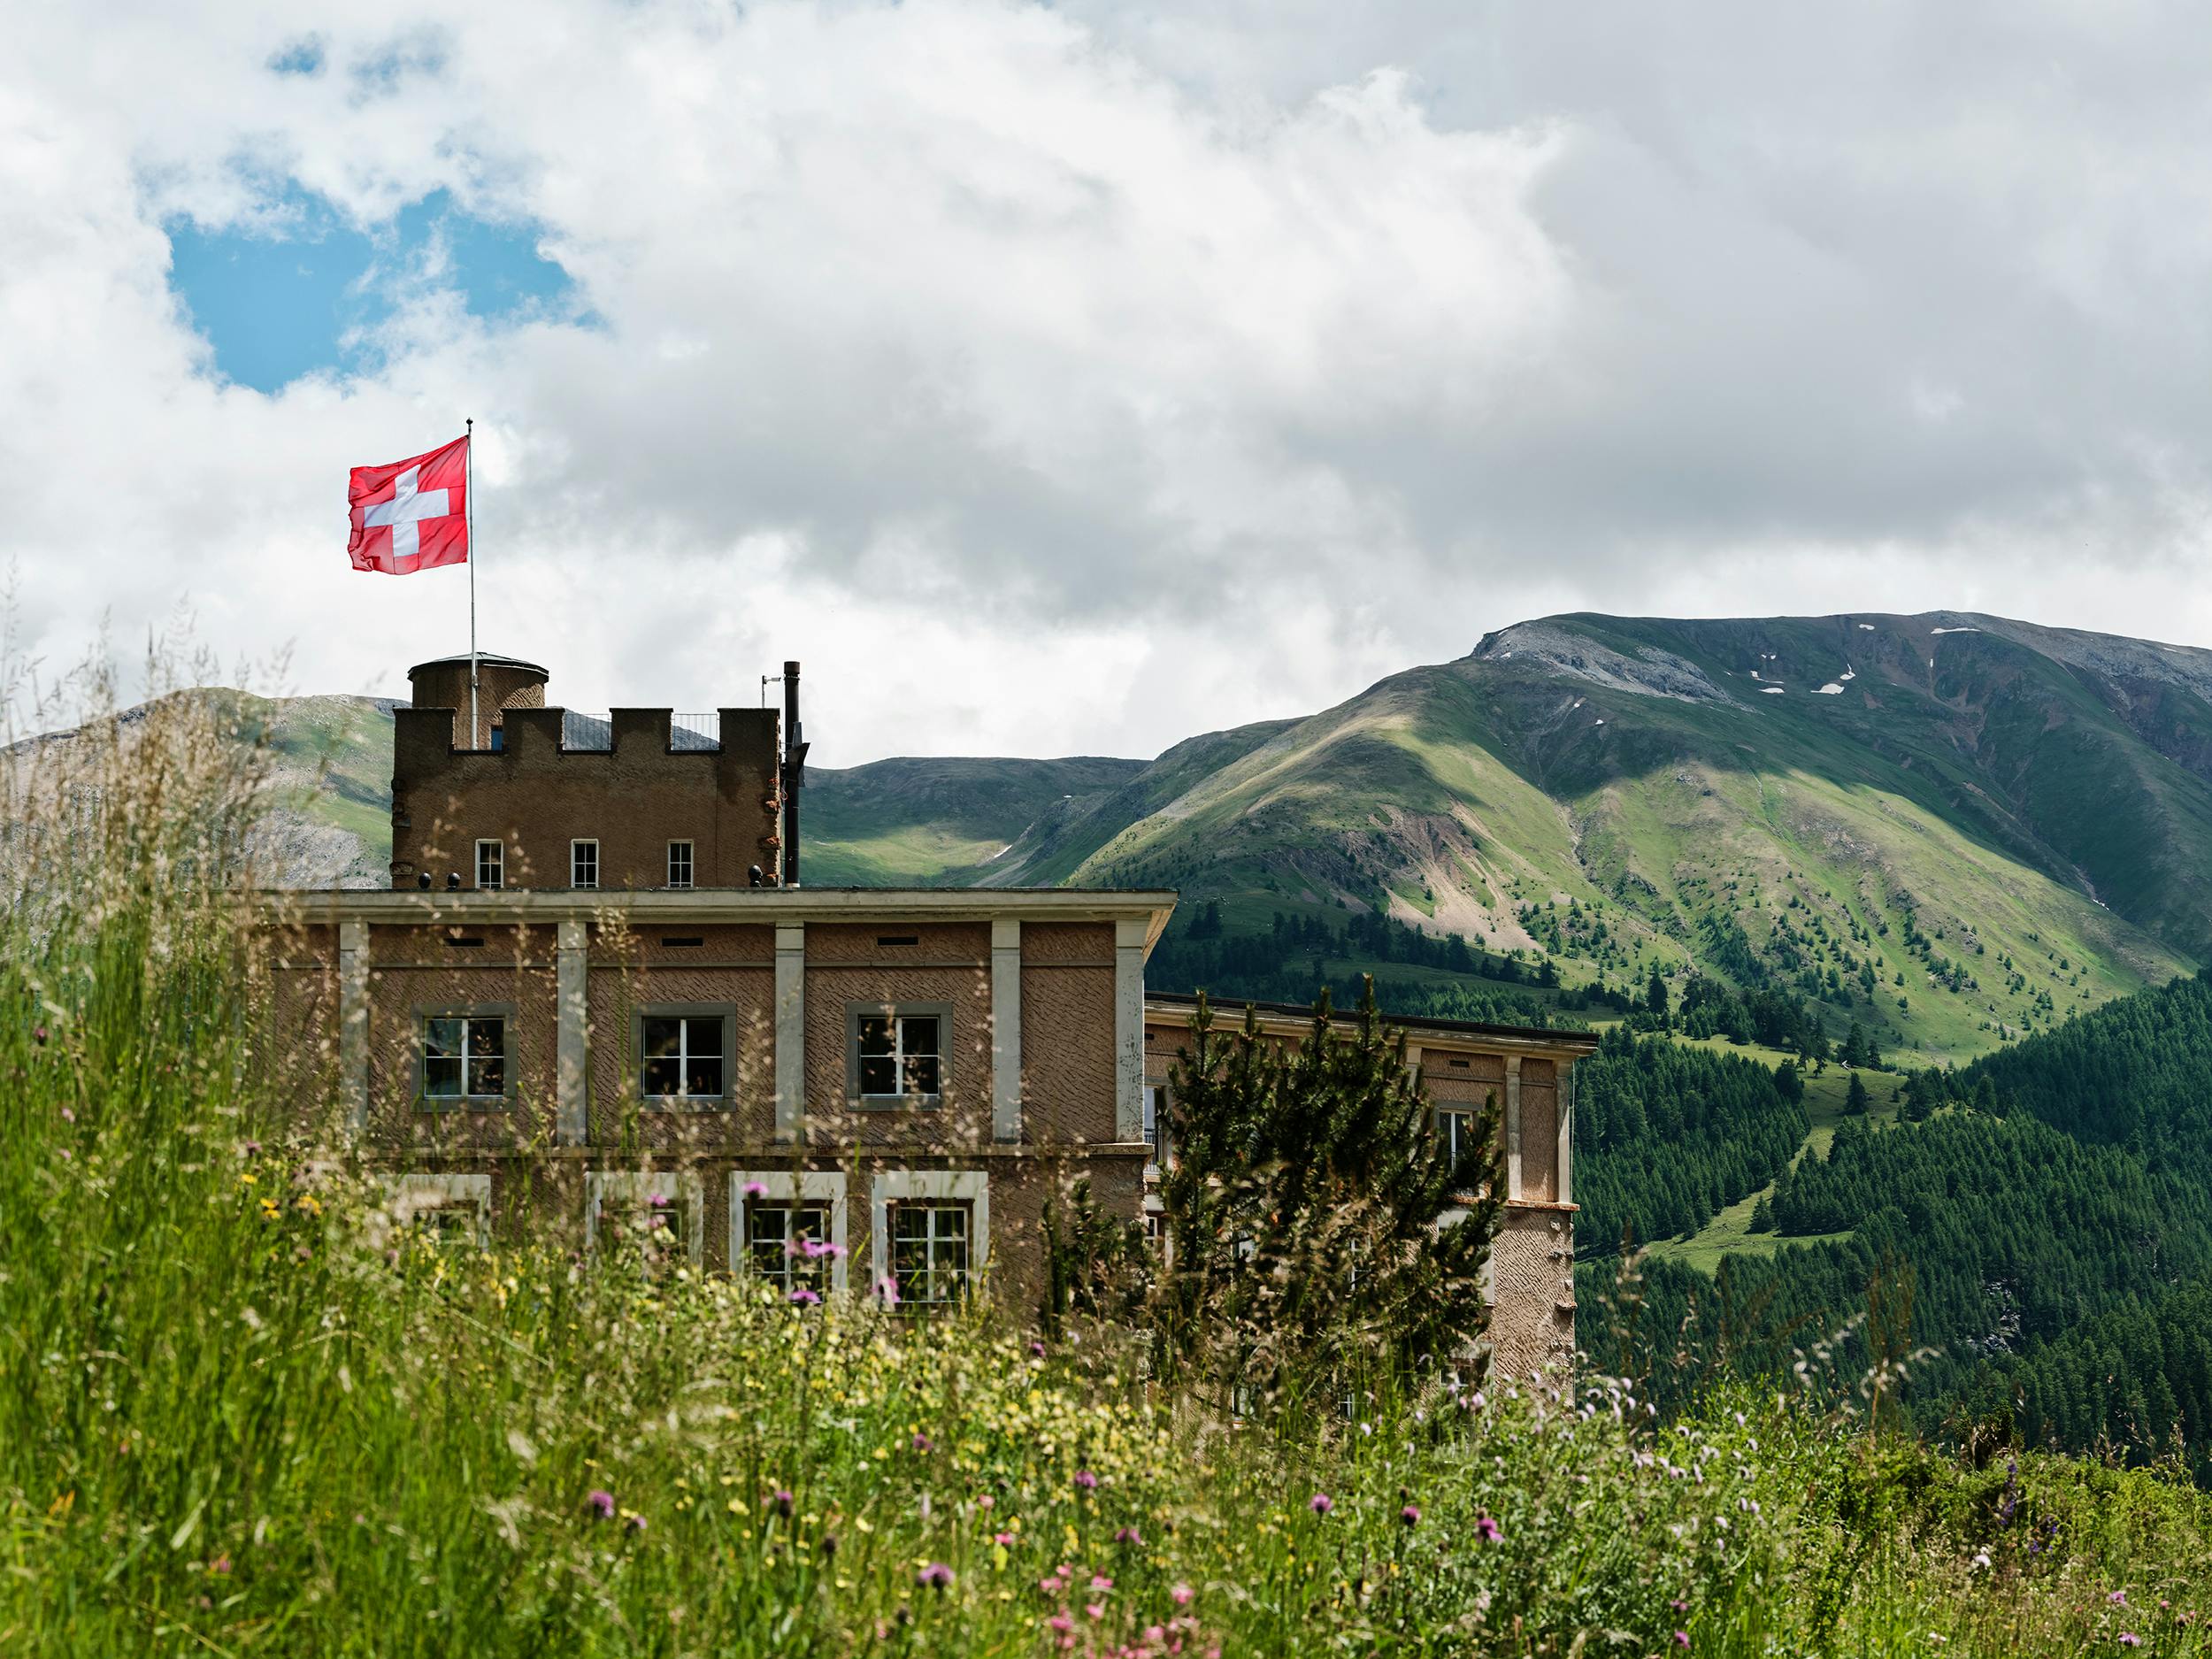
(1854, 1098)
(1656, 995)
(1306, 1212)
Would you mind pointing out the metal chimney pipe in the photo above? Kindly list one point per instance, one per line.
(794, 773)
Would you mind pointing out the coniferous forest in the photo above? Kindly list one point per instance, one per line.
(2040, 1220)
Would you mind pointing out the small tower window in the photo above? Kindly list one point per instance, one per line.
(680, 863)
(490, 865)
(583, 863)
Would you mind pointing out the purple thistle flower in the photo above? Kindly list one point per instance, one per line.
(659, 1200)
(636, 1523)
(1087, 1480)
(756, 1189)
(1682, 1639)
(780, 1501)
(887, 1288)
(2129, 1639)
(803, 1298)
(1129, 1535)
(923, 1443)
(1489, 1528)
(602, 1502)
(1410, 1515)
(1036, 1351)
(936, 1576)
(1321, 1503)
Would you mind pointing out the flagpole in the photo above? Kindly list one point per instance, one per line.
(468, 495)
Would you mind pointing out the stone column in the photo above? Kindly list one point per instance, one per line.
(571, 977)
(353, 1023)
(1513, 1125)
(1563, 1185)
(790, 1028)
(1006, 1030)
(1129, 939)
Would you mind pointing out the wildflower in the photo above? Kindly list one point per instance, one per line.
(1036, 1351)
(1410, 1515)
(1097, 1609)
(68, 1115)
(1128, 1535)
(1004, 1540)
(632, 1519)
(1086, 1480)
(1060, 1622)
(1489, 1528)
(1476, 1401)
(1680, 1605)
(2119, 1598)
(781, 1502)
(1682, 1639)
(602, 1502)
(756, 1189)
(803, 1298)
(1181, 1594)
(1100, 1583)
(887, 1288)
(1321, 1503)
(221, 1563)
(39, 1032)
(1052, 1584)
(1981, 1559)
(923, 1443)
(937, 1576)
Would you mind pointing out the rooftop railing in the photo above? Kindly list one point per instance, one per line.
(689, 734)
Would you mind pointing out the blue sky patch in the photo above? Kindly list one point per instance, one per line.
(307, 295)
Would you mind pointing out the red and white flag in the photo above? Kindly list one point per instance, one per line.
(412, 515)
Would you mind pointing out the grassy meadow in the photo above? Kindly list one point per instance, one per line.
(243, 1411)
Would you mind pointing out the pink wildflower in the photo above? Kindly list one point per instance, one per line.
(780, 1501)
(1181, 1594)
(887, 1288)
(1087, 1480)
(1410, 1515)
(1489, 1528)
(1060, 1622)
(1321, 1503)
(756, 1189)
(2129, 1639)
(1100, 1583)
(1052, 1584)
(1004, 1540)
(803, 1298)
(923, 1443)
(1129, 1535)
(602, 1501)
(1097, 1609)
(937, 1576)
(1682, 1639)
(2119, 1598)
(221, 1563)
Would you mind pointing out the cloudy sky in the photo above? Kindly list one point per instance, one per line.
(1073, 379)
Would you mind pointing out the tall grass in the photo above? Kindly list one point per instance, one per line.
(242, 1411)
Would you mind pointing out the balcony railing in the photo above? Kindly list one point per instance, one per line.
(689, 734)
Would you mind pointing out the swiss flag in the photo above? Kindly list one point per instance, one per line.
(412, 515)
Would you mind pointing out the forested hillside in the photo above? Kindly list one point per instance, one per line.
(2047, 1219)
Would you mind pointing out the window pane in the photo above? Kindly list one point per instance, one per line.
(440, 1077)
(488, 1077)
(878, 1075)
(875, 1034)
(663, 1037)
(919, 1034)
(703, 1036)
(910, 1221)
(702, 1076)
(441, 1036)
(487, 1037)
(921, 1074)
(663, 1077)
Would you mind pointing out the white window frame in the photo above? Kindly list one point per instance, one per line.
(637, 1187)
(1449, 1116)
(574, 848)
(498, 850)
(971, 1187)
(823, 1188)
(725, 1018)
(408, 1197)
(691, 866)
(504, 1014)
(1153, 1123)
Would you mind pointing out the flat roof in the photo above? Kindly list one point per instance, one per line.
(1583, 1040)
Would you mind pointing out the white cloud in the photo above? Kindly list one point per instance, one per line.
(1057, 380)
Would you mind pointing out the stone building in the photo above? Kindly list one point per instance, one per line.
(590, 995)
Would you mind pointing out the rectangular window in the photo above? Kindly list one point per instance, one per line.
(655, 1225)
(929, 1253)
(900, 1056)
(491, 860)
(465, 1056)
(777, 1237)
(1455, 1127)
(583, 864)
(1156, 1117)
(447, 1226)
(680, 863)
(682, 1055)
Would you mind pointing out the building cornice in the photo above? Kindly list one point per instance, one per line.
(759, 906)
(1438, 1033)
